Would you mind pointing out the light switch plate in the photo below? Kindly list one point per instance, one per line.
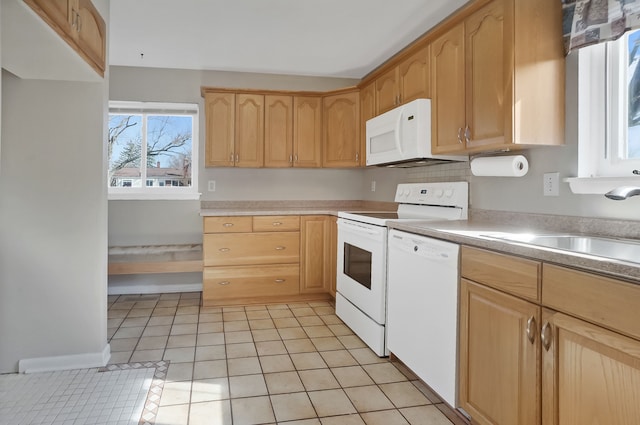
(212, 186)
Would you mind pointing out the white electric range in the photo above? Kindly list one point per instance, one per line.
(361, 298)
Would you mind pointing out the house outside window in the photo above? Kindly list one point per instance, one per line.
(154, 143)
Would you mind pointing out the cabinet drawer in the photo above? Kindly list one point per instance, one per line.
(250, 281)
(251, 248)
(605, 301)
(514, 275)
(228, 224)
(276, 223)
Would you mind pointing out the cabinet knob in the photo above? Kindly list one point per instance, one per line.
(531, 329)
(545, 336)
(224, 282)
(224, 250)
(237, 158)
(296, 158)
(460, 135)
(467, 134)
(227, 225)
(280, 248)
(280, 280)
(357, 157)
(276, 223)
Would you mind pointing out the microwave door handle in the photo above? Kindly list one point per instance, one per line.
(397, 133)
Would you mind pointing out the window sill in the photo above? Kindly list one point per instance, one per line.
(599, 185)
(137, 196)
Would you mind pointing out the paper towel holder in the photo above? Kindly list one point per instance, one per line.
(499, 166)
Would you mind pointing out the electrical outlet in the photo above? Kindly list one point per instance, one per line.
(373, 185)
(550, 184)
(212, 185)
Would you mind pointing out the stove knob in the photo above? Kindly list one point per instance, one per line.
(448, 193)
(439, 193)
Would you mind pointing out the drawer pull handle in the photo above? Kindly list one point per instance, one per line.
(280, 248)
(224, 282)
(280, 280)
(545, 336)
(228, 225)
(531, 329)
(277, 223)
(224, 249)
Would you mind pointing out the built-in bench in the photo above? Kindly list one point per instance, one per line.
(145, 259)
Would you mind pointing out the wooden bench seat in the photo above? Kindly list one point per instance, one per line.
(145, 259)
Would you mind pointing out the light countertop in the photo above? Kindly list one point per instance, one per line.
(471, 232)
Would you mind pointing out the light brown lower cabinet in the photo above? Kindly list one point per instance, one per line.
(570, 358)
(266, 259)
(499, 370)
(590, 375)
(315, 254)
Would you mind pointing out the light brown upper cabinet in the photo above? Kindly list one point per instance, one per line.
(447, 91)
(220, 113)
(497, 78)
(341, 125)
(234, 130)
(307, 131)
(79, 23)
(249, 146)
(278, 131)
(409, 80)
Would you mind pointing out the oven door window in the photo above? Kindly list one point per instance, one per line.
(357, 264)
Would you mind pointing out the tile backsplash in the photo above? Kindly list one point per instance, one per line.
(448, 172)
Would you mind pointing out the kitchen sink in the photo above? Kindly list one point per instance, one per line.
(618, 249)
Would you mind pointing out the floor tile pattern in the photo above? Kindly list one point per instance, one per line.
(75, 397)
(295, 364)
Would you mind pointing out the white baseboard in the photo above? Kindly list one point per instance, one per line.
(153, 289)
(72, 361)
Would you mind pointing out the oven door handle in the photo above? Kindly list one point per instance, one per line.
(357, 228)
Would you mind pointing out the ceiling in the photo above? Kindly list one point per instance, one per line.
(331, 38)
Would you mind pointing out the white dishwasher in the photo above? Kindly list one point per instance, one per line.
(422, 309)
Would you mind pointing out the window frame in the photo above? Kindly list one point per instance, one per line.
(602, 96)
(145, 192)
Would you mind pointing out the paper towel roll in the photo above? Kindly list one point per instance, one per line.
(500, 166)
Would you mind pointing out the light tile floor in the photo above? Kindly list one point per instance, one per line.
(295, 364)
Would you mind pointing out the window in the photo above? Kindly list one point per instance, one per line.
(608, 115)
(153, 150)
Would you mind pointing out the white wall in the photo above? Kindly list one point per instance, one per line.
(53, 219)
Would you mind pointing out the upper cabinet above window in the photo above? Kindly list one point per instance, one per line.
(79, 23)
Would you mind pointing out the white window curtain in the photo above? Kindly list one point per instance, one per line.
(587, 22)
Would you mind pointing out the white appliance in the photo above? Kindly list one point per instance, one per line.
(423, 277)
(402, 137)
(361, 298)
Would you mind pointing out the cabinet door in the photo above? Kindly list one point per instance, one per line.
(590, 375)
(333, 256)
(367, 111)
(220, 112)
(448, 92)
(315, 250)
(499, 364)
(413, 76)
(307, 131)
(387, 95)
(488, 92)
(90, 33)
(249, 146)
(341, 137)
(57, 13)
(278, 131)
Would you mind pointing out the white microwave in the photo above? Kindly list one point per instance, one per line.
(402, 137)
